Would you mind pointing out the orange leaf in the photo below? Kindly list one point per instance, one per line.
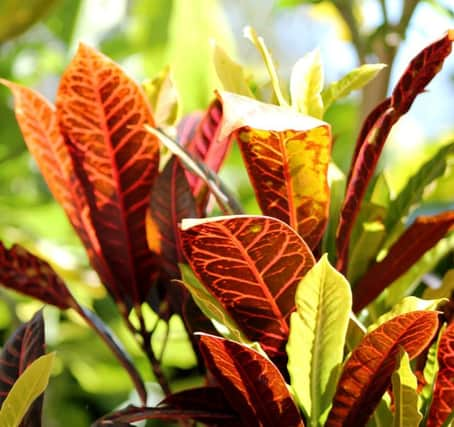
(367, 373)
(286, 156)
(38, 123)
(252, 266)
(103, 112)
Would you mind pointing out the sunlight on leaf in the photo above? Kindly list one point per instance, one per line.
(317, 336)
(306, 84)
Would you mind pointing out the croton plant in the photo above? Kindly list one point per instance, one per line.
(300, 316)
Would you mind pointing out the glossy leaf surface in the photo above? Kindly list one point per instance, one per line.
(286, 156)
(210, 306)
(443, 392)
(306, 84)
(24, 272)
(367, 373)
(406, 413)
(252, 266)
(418, 74)
(30, 384)
(171, 201)
(354, 80)
(22, 348)
(253, 385)
(102, 111)
(317, 337)
(422, 235)
(38, 122)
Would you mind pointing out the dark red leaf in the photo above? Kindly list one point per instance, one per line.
(187, 127)
(133, 414)
(252, 266)
(252, 384)
(420, 72)
(24, 272)
(367, 373)
(208, 399)
(23, 347)
(171, 201)
(103, 113)
(206, 146)
(421, 236)
(443, 393)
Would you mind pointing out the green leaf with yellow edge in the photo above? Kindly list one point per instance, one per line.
(354, 80)
(230, 74)
(260, 45)
(445, 290)
(407, 305)
(404, 383)
(286, 156)
(306, 84)
(211, 307)
(31, 383)
(317, 336)
(163, 97)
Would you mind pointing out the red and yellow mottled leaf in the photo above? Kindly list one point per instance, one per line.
(22, 348)
(252, 266)
(443, 392)
(286, 156)
(24, 272)
(367, 373)
(103, 112)
(253, 386)
(421, 70)
(38, 123)
(421, 236)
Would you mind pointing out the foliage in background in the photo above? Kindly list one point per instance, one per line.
(68, 331)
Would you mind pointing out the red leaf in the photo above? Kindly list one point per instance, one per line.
(254, 386)
(367, 373)
(286, 155)
(205, 145)
(102, 111)
(23, 272)
(421, 236)
(443, 393)
(23, 347)
(171, 201)
(38, 123)
(208, 399)
(252, 266)
(420, 72)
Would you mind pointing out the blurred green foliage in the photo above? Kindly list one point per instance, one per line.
(144, 36)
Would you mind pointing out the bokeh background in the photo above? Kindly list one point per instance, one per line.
(37, 40)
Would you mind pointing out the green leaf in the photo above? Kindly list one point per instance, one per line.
(306, 84)
(25, 390)
(211, 307)
(317, 337)
(412, 194)
(163, 97)
(230, 73)
(260, 45)
(406, 398)
(430, 372)
(354, 80)
(408, 281)
(382, 416)
(407, 305)
(445, 290)
(355, 332)
(381, 194)
(365, 250)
